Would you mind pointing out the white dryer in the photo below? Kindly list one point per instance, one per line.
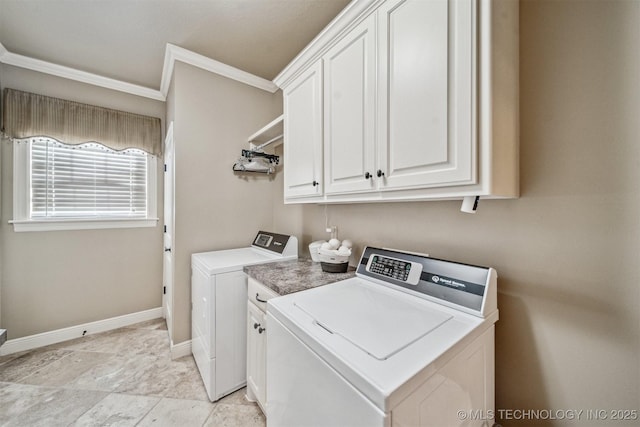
(409, 341)
(219, 309)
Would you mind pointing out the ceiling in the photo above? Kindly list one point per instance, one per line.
(126, 39)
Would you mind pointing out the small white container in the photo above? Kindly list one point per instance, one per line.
(332, 257)
(333, 262)
(313, 250)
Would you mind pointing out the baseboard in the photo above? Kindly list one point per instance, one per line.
(60, 335)
(180, 350)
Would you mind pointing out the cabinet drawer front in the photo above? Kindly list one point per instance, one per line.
(259, 294)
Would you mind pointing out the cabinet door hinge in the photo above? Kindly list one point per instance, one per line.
(165, 167)
(164, 290)
(165, 228)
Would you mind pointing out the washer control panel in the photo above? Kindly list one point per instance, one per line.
(466, 287)
(394, 268)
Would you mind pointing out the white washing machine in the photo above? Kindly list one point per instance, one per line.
(219, 309)
(408, 342)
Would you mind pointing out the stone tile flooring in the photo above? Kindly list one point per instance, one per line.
(123, 377)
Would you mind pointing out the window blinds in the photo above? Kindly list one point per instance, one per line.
(86, 180)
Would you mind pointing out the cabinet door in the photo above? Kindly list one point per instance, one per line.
(256, 353)
(303, 134)
(426, 93)
(349, 111)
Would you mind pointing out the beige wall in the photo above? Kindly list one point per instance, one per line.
(567, 251)
(56, 279)
(215, 208)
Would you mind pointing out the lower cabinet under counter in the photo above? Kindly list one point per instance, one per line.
(257, 342)
(267, 281)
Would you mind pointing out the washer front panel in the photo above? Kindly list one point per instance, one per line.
(377, 378)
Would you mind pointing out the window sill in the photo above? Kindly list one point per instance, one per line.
(81, 224)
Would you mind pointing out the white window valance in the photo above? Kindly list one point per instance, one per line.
(27, 115)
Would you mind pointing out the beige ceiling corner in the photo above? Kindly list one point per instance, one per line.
(21, 61)
(172, 53)
(175, 53)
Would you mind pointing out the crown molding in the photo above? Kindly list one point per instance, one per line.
(172, 54)
(352, 15)
(175, 53)
(22, 61)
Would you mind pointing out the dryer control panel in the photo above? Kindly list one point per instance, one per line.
(275, 243)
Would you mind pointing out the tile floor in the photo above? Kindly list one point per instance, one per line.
(123, 377)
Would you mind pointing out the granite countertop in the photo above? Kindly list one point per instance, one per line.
(286, 277)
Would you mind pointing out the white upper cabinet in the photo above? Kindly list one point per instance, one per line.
(349, 111)
(303, 134)
(418, 100)
(426, 69)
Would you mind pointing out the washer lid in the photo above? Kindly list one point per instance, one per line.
(377, 322)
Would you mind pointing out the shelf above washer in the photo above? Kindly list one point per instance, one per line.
(272, 132)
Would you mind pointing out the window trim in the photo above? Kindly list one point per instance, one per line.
(21, 199)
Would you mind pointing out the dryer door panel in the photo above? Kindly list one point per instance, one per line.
(231, 335)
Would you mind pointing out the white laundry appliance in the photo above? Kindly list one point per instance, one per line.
(409, 341)
(219, 309)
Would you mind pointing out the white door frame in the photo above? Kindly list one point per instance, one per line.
(169, 210)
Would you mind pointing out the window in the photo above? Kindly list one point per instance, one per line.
(59, 186)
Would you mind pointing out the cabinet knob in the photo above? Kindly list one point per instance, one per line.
(315, 183)
(255, 325)
(380, 173)
(261, 330)
(367, 175)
